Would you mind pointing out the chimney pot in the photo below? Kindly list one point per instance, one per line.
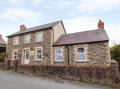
(100, 24)
(23, 27)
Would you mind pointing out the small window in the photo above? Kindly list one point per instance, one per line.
(15, 54)
(27, 39)
(58, 54)
(80, 54)
(39, 36)
(16, 40)
(38, 54)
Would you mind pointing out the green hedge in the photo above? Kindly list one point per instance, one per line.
(2, 49)
(2, 53)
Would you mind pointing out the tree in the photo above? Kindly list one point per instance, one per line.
(115, 52)
(2, 53)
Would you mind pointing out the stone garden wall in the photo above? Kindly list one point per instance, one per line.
(105, 75)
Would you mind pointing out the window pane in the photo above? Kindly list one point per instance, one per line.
(27, 54)
(39, 56)
(58, 54)
(58, 57)
(39, 51)
(27, 39)
(81, 54)
(80, 50)
(39, 36)
(15, 40)
(58, 51)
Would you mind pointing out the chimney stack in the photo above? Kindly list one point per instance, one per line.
(23, 27)
(100, 25)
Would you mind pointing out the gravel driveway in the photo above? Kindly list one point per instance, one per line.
(10, 80)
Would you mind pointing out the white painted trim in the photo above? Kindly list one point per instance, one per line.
(23, 55)
(14, 40)
(61, 54)
(41, 54)
(85, 49)
(42, 33)
(29, 38)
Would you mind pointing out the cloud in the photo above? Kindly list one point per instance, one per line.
(113, 31)
(37, 1)
(85, 23)
(98, 5)
(81, 23)
(17, 14)
(15, 2)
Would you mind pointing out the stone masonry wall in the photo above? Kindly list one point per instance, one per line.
(95, 53)
(46, 45)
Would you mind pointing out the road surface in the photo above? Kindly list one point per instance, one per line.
(9, 80)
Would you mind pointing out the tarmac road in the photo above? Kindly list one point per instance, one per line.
(11, 80)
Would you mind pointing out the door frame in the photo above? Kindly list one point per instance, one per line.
(23, 57)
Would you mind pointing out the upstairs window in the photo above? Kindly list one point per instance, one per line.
(39, 37)
(80, 54)
(27, 39)
(58, 54)
(16, 40)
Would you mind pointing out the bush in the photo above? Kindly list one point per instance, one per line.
(115, 52)
(2, 49)
(2, 53)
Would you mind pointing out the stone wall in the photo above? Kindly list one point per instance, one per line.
(99, 53)
(95, 53)
(46, 45)
(99, 74)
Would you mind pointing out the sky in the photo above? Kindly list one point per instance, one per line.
(77, 15)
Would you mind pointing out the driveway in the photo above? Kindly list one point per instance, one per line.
(9, 80)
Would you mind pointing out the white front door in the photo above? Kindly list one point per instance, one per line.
(26, 55)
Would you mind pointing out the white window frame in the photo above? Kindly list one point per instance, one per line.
(78, 60)
(16, 40)
(38, 36)
(27, 38)
(59, 54)
(35, 57)
(13, 51)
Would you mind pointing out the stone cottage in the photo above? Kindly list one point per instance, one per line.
(49, 44)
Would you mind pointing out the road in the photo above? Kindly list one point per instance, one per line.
(10, 80)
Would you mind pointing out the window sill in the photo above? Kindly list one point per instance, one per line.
(37, 60)
(39, 42)
(26, 43)
(58, 61)
(81, 61)
(15, 45)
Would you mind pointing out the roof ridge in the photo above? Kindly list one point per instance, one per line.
(46, 23)
(83, 31)
(43, 26)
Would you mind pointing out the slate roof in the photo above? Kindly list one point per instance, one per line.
(2, 41)
(40, 27)
(97, 35)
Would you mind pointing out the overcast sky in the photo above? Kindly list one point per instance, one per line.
(77, 15)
